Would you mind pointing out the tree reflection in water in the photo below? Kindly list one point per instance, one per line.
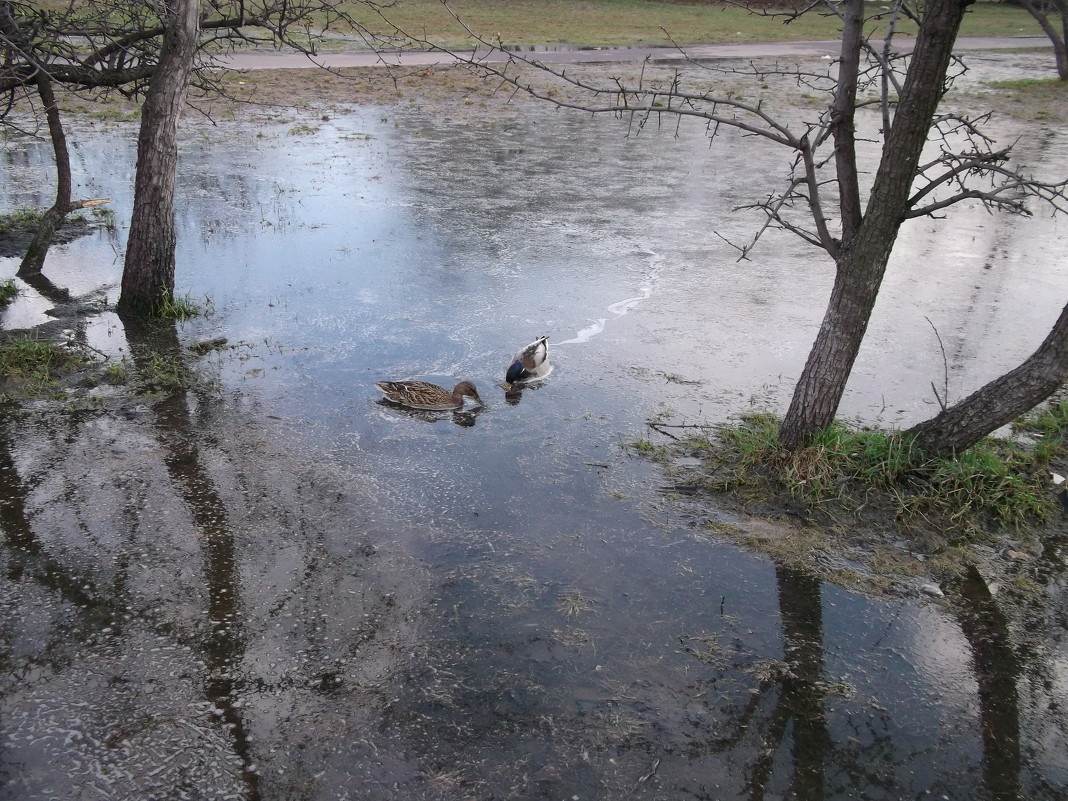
(997, 673)
(223, 650)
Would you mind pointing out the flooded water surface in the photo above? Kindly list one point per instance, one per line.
(277, 586)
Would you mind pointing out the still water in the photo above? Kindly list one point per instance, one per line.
(278, 587)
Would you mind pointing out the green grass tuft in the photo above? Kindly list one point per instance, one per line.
(33, 366)
(646, 448)
(20, 220)
(160, 373)
(8, 291)
(183, 308)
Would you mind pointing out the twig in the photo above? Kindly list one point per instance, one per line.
(942, 401)
(643, 779)
(679, 425)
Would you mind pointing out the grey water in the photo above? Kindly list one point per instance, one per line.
(283, 588)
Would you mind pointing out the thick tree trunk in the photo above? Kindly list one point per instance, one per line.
(862, 261)
(33, 261)
(148, 273)
(1001, 401)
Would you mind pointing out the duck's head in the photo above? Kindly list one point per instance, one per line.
(515, 372)
(468, 389)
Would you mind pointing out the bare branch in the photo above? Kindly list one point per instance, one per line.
(942, 399)
(1005, 188)
(114, 44)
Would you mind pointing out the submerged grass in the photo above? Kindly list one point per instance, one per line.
(997, 483)
(163, 373)
(183, 307)
(32, 367)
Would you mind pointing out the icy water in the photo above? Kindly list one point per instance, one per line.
(279, 587)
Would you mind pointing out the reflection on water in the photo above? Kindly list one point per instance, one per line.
(462, 417)
(223, 645)
(282, 588)
(997, 674)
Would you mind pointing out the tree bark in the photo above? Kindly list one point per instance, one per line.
(844, 114)
(1001, 401)
(861, 263)
(33, 261)
(148, 272)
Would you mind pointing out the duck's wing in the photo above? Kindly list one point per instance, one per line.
(417, 394)
(534, 355)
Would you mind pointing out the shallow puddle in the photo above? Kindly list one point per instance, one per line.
(280, 587)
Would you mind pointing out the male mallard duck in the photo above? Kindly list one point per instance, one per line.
(424, 395)
(531, 362)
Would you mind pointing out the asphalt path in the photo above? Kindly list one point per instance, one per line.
(260, 60)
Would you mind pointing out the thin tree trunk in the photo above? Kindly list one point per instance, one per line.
(1058, 38)
(33, 261)
(1001, 401)
(845, 114)
(148, 272)
(862, 261)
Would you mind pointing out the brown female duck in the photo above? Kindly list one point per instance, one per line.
(424, 395)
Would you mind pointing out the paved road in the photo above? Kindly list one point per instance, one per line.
(565, 55)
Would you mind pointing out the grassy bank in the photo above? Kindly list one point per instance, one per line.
(850, 474)
(864, 509)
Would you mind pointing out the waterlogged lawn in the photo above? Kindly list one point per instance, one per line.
(621, 22)
(637, 22)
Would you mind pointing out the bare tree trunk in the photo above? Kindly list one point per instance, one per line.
(845, 113)
(862, 261)
(33, 261)
(148, 273)
(1058, 38)
(1001, 401)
